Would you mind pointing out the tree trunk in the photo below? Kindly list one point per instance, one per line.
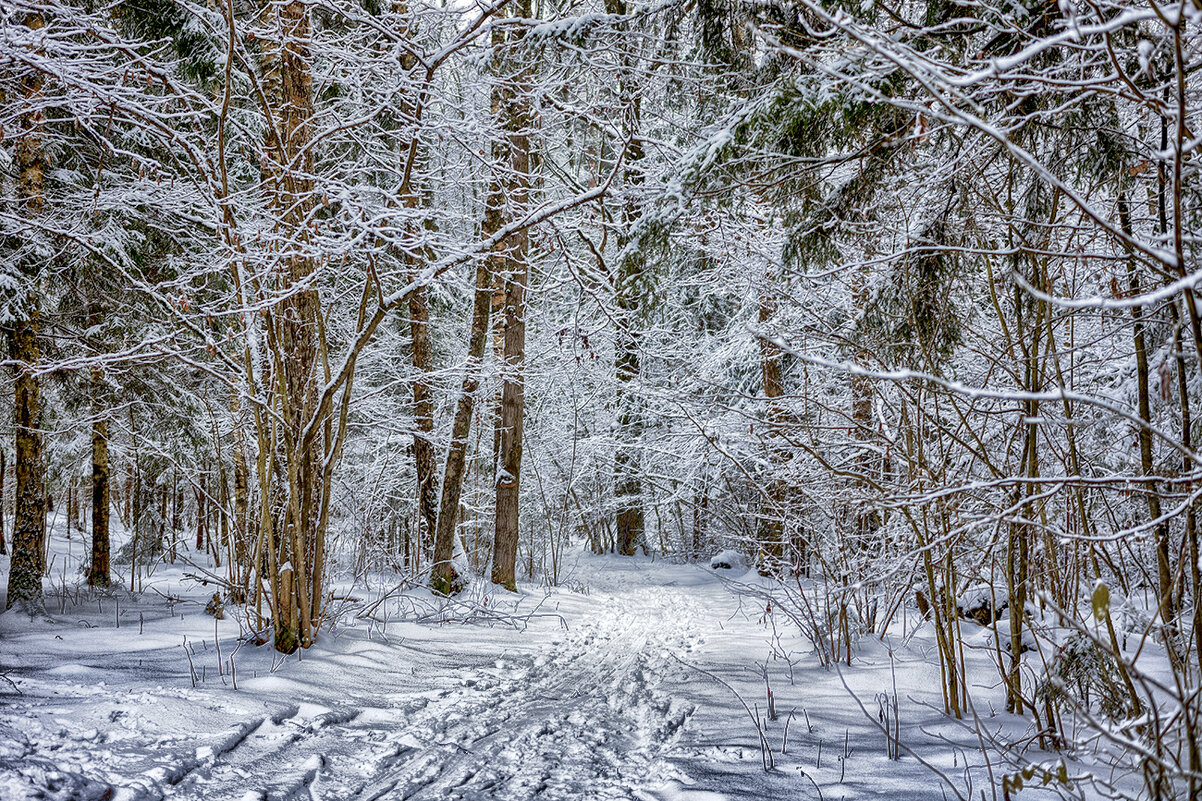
(241, 567)
(628, 483)
(177, 504)
(701, 502)
(1167, 604)
(1034, 352)
(98, 575)
(135, 493)
(505, 543)
(85, 492)
(423, 417)
(519, 119)
(3, 473)
(127, 508)
(867, 520)
(443, 577)
(200, 515)
(292, 327)
(29, 526)
(772, 529)
(165, 532)
(419, 323)
(29, 521)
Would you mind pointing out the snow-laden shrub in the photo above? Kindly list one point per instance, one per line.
(1083, 676)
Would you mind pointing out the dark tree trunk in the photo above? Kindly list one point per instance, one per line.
(423, 414)
(505, 543)
(1164, 570)
(177, 504)
(628, 483)
(772, 529)
(29, 520)
(127, 508)
(292, 331)
(135, 504)
(3, 473)
(98, 575)
(29, 526)
(518, 121)
(443, 578)
(424, 461)
(201, 505)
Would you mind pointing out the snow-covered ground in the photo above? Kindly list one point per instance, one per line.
(623, 687)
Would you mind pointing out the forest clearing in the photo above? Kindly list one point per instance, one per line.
(600, 399)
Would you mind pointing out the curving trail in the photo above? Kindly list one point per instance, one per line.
(590, 711)
(589, 701)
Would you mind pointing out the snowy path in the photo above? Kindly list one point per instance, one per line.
(586, 708)
(587, 719)
(589, 701)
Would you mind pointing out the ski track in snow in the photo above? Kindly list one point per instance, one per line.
(600, 708)
(592, 708)
(587, 719)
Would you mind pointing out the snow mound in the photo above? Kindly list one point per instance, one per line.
(982, 603)
(727, 560)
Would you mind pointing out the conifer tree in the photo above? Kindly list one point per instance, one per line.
(29, 520)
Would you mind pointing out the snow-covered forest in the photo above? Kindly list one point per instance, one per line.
(600, 399)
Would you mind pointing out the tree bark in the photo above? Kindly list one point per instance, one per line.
(519, 120)
(419, 322)
(29, 521)
(1167, 604)
(292, 328)
(772, 529)
(98, 575)
(423, 417)
(241, 562)
(3, 473)
(201, 515)
(127, 509)
(505, 542)
(444, 578)
(628, 484)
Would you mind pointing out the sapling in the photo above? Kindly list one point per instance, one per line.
(191, 667)
(768, 689)
(846, 753)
